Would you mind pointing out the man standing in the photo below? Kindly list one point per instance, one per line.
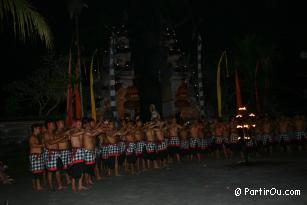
(76, 164)
(36, 157)
(64, 149)
(174, 141)
(52, 155)
(219, 130)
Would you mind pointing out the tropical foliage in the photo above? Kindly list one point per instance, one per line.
(27, 22)
(45, 88)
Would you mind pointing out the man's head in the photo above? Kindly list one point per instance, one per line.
(91, 122)
(35, 129)
(174, 120)
(60, 124)
(139, 123)
(111, 124)
(50, 125)
(77, 123)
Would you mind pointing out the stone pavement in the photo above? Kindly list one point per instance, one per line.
(210, 182)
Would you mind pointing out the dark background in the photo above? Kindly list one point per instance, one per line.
(282, 23)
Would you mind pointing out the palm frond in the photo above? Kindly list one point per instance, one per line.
(26, 20)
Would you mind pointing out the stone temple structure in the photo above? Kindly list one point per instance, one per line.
(178, 94)
(118, 58)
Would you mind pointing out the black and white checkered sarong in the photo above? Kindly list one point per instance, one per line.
(64, 155)
(150, 147)
(140, 146)
(113, 150)
(121, 147)
(185, 145)
(194, 142)
(77, 156)
(300, 135)
(37, 163)
(161, 146)
(104, 150)
(51, 159)
(203, 143)
(174, 142)
(89, 157)
(130, 148)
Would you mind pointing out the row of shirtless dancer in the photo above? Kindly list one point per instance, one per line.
(92, 149)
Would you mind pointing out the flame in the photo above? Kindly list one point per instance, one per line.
(252, 115)
(239, 126)
(242, 108)
(238, 116)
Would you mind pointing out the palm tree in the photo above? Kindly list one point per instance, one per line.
(26, 20)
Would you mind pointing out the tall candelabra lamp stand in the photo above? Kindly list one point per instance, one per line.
(246, 129)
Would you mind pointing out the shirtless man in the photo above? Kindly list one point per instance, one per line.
(219, 128)
(121, 139)
(140, 146)
(300, 131)
(113, 149)
(194, 140)
(43, 131)
(150, 146)
(76, 164)
(89, 144)
(52, 154)
(174, 140)
(93, 127)
(184, 141)
(283, 132)
(36, 157)
(267, 135)
(161, 145)
(130, 151)
(64, 149)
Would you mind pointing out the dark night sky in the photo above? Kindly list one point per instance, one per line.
(281, 22)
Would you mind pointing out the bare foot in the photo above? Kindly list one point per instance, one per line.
(60, 188)
(83, 188)
(99, 178)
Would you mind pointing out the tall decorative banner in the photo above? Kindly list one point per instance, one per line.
(69, 96)
(93, 106)
(200, 76)
(238, 90)
(218, 83)
(78, 101)
(112, 78)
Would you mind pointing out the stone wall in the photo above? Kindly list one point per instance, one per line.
(15, 132)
